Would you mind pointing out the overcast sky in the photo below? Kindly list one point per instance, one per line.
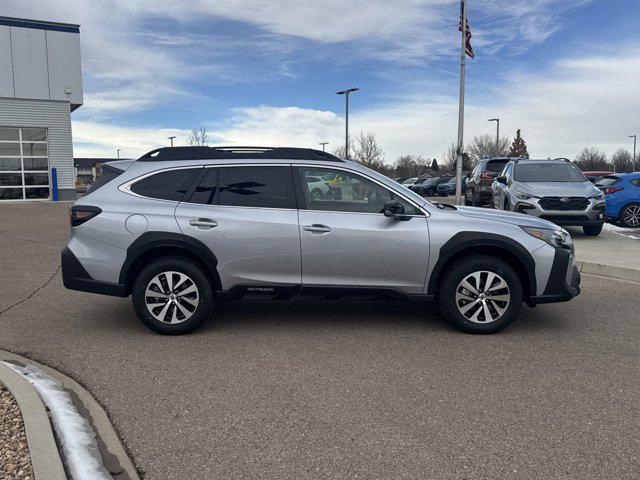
(264, 72)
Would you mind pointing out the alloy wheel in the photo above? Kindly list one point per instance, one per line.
(171, 297)
(483, 297)
(631, 216)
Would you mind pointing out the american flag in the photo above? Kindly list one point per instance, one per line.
(467, 48)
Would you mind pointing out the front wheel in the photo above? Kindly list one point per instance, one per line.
(480, 294)
(592, 230)
(172, 296)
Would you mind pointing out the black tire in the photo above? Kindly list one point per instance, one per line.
(468, 202)
(203, 297)
(452, 279)
(625, 212)
(592, 230)
(507, 205)
(316, 194)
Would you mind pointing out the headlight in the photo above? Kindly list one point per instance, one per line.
(598, 196)
(555, 238)
(524, 196)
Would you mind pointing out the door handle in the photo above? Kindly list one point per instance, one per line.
(203, 223)
(316, 228)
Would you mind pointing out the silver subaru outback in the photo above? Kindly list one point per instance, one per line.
(181, 229)
(555, 190)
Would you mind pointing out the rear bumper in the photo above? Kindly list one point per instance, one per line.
(75, 277)
(564, 280)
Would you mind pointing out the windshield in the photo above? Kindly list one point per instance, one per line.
(608, 181)
(547, 172)
(409, 180)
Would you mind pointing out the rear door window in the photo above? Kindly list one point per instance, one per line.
(168, 185)
(254, 186)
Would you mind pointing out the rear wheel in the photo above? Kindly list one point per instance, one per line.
(172, 296)
(507, 205)
(480, 294)
(630, 216)
(592, 230)
(316, 194)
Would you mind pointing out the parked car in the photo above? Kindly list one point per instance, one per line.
(409, 182)
(555, 190)
(317, 187)
(478, 192)
(181, 229)
(449, 187)
(429, 187)
(622, 191)
(400, 180)
(596, 176)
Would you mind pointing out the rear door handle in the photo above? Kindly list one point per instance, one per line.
(203, 223)
(316, 228)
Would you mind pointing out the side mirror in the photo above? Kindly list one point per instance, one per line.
(394, 209)
(501, 180)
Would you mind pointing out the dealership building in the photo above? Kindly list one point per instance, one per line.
(40, 85)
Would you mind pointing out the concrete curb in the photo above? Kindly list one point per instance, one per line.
(114, 455)
(610, 271)
(45, 457)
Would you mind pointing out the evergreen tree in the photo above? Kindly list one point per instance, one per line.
(518, 147)
(434, 165)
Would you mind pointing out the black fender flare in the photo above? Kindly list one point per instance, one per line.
(482, 242)
(149, 241)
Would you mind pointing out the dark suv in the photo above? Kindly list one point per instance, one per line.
(480, 180)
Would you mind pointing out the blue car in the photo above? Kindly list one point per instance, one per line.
(449, 187)
(622, 192)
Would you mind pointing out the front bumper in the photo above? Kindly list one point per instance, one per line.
(594, 214)
(564, 280)
(75, 277)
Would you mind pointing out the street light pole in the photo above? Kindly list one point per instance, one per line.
(633, 162)
(171, 139)
(118, 154)
(497, 120)
(323, 144)
(346, 124)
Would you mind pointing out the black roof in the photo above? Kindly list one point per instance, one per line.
(232, 153)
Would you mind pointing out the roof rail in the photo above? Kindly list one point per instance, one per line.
(233, 152)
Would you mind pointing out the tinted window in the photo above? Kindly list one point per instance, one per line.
(635, 182)
(207, 189)
(495, 166)
(253, 187)
(169, 185)
(548, 172)
(347, 192)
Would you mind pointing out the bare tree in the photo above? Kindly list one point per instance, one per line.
(622, 162)
(367, 151)
(450, 159)
(410, 166)
(592, 159)
(198, 137)
(483, 146)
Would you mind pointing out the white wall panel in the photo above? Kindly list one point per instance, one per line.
(29, 48)
(63, 51)
(6, 63)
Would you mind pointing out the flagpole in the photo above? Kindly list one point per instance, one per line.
(463, 60)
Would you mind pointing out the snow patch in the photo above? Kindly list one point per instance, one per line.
(625, 232)
(77, 438)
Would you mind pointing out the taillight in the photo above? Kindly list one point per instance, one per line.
(609, 190)
(488, 175)
(79, 214)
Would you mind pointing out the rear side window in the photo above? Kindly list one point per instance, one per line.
(495, 166)
(169, 185)
(253, 187)
(108, 174)
(206, 191)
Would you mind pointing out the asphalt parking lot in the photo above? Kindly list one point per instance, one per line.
(349, 389)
